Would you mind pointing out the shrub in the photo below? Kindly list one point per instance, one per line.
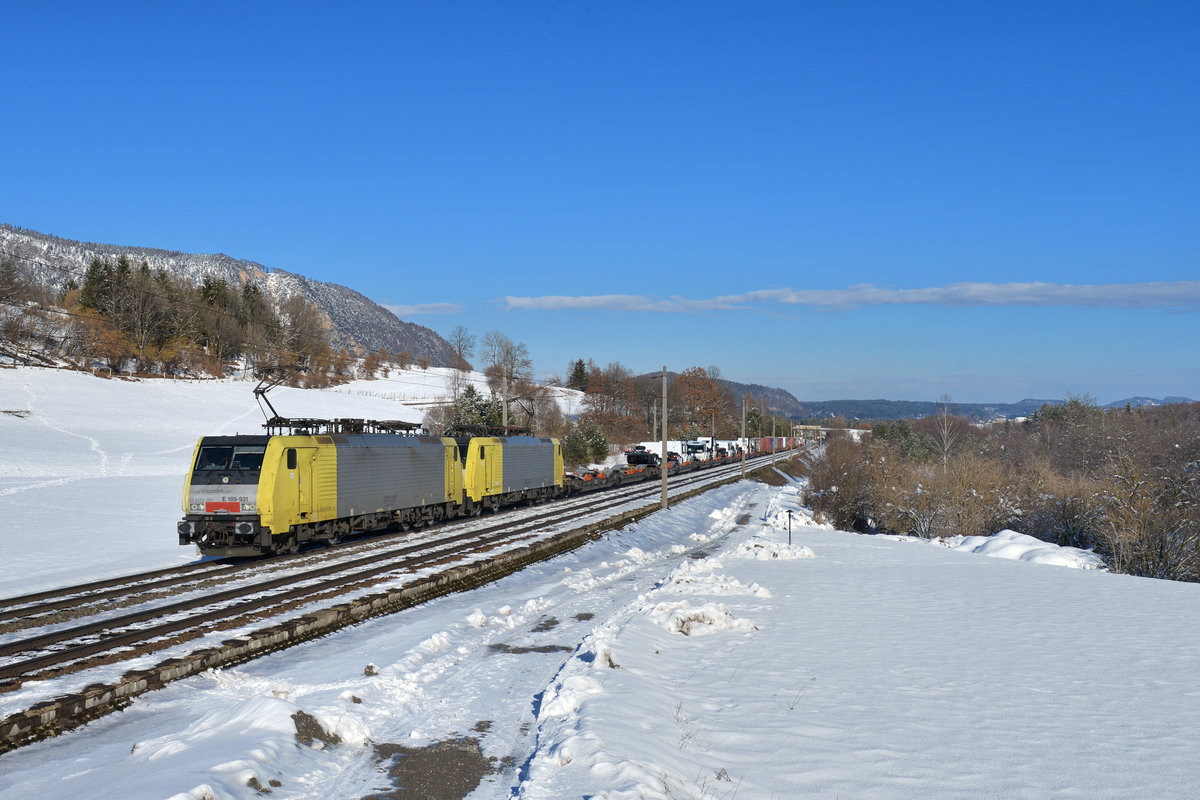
(1125, 483)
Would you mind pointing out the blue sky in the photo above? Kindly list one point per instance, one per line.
(848, 200)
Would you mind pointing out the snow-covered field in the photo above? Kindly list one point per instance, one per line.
(695, 654)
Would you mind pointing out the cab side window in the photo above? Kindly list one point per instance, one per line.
(291, 458)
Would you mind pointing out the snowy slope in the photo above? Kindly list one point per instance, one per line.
(695, 654)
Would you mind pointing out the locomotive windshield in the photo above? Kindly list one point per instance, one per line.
(235, 458)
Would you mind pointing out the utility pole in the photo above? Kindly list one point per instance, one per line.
(773, 439)
(504, 404)
(663, 466)
(744, 442)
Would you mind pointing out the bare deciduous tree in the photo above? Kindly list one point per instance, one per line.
(945, 432)
(507, 362)
(462, 345)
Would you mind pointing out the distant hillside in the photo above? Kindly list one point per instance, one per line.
(778, 401)
(912, 409)
(354, 321)
(783, 402)
(1139, 402)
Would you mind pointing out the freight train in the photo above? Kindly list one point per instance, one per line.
(319, 481)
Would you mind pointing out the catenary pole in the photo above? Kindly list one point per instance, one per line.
(744, 442)
(663, 466)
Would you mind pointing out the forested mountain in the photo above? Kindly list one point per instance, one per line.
(352, 321)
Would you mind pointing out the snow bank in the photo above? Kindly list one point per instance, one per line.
(699, 576)
(1020, 547)
(682, 617)
(766, 550)
(567, 697)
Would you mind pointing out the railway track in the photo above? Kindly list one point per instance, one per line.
(71, 602)
(175, 611)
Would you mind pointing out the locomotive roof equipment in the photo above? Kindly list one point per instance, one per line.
(309, 426)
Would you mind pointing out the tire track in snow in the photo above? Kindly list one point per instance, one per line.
(93, 444)
(31, 413)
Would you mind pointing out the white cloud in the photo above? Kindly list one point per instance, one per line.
(612, 302)
(424, 308)
(1176, 295)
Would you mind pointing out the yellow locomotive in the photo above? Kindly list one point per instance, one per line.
(250, 495)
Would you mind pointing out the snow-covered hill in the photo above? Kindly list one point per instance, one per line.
(354, 321)
(695, 654)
